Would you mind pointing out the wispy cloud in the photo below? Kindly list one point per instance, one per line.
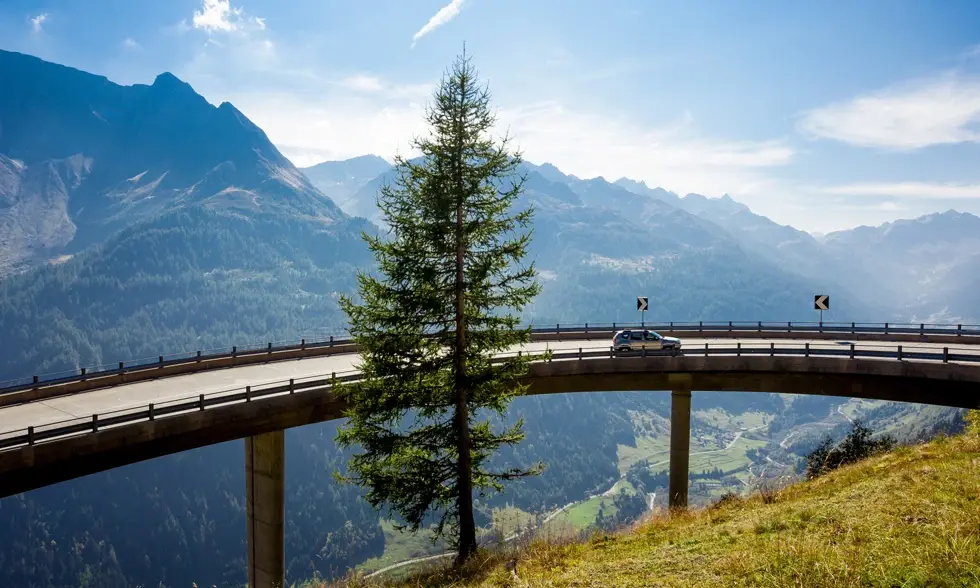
(381, 88)
(445, 14)
(674, 155)
(363, 83)
(367, 114)
(943, 109)
(918, 190)
(130, 43)
(37, 22)
(972, 52)
(220, 15)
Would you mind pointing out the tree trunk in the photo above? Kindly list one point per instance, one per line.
(464, 500)
(464, 483)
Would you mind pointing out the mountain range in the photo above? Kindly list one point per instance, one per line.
(139, 220)
(917, 270)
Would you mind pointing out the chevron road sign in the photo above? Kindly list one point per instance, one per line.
(641, 303)
(821, 302)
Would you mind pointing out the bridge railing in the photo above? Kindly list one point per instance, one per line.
(342, 338)
(31, 435)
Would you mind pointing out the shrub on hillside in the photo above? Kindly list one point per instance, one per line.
(857, 445)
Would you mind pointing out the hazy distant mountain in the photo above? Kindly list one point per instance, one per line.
(928, 265)
(592, 230)
(340, 180)
(551, 173)
(642, 188)
(910, 270)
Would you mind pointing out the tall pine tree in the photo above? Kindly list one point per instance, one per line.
(443, 304)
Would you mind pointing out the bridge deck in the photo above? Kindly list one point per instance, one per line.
(139, 394)
(64, 441)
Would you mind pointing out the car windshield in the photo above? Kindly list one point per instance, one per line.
(653, 335)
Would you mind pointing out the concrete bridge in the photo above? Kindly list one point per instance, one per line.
(59, 429)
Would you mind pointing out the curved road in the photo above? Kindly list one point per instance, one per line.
(136, 395)
(83, 405)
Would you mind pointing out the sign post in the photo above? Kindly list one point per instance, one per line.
(642, 305)
(821, 302)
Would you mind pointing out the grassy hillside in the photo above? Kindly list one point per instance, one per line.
(907, 518)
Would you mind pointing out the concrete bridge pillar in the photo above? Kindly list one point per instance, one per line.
(265, 509)
(680, 444)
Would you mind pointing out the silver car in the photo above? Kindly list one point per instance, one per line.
(633, 340)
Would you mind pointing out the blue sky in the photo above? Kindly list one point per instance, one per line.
(820, 115)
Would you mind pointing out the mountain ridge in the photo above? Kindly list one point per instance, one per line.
(179, 151)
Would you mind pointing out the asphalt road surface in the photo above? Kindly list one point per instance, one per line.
(138, 395)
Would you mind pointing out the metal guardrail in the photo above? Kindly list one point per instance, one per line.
(50, 431)
(699, 327)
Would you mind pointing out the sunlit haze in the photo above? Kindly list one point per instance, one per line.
(823, 116)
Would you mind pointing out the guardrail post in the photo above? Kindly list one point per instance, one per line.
(922, 328)
(331, 340)
(580, 354)
(789, 327)
(151, 411)
(852, 328)
(738, 349)
(30, 435)
(807, 350)
(612, 353)
(333, 375)
(700, 326)
(820, 326)
(852, 350)
(706, 350)
(586, 328)
(292, 388)
(899, 353)
(760, 326)
(201, 398)
(945, 354)
(959, 329)
(302, 343)
(671, 325)
(35, 381)
(557, 329)
(83, 371)
(95, 423)
(729, 326)
(772, 349)
(270, 348)
(248, 393)
(886, 328)
(161, 360)
(198, 355)
(614, 326)
(234, 350)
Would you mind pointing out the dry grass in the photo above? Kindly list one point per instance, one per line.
(909, 518)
